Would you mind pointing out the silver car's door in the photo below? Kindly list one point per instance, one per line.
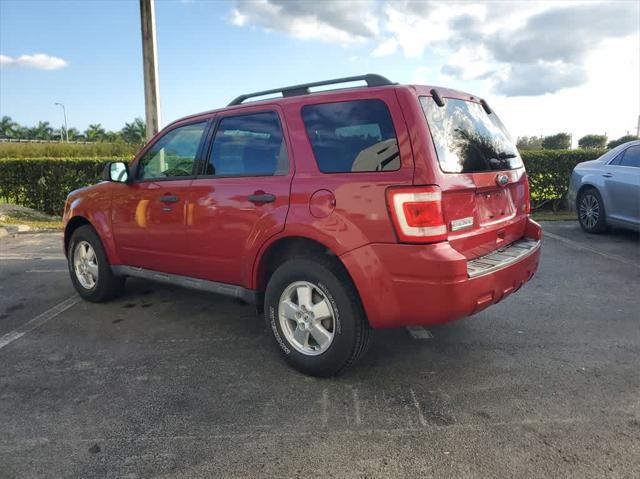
(622, 182)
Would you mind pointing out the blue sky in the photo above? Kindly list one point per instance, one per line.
(517, 55)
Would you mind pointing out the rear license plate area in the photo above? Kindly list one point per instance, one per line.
(494, 206)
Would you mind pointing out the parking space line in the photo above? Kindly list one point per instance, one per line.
(577, 245)
(46, 271)
(38, 320)
(26, 257)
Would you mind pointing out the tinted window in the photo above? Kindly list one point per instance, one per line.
(173, 155)
(631, 157)
(468, 139)
(352, 136)
(248, 145)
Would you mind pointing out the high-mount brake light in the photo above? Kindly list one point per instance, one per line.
(416, 213)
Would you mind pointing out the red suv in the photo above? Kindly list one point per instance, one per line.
(333, 211)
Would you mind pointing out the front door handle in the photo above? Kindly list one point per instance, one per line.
(262, 198)
(607, 175)
(169, 199)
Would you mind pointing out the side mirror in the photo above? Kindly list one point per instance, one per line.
(116, 171)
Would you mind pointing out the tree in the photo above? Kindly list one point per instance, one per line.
(7, 127)
(42, 131)
(95, 132)
(621, 140)
(74, 134)
(529, 143)
(134, 132)
(592, 141)
(559, 141)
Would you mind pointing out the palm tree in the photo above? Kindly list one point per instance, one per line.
(42, 131)
(134, 132)
(7, 127)
(74, 134)
(95, 132)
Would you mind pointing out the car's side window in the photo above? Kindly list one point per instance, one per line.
(248, 145)
(631, 157)
(173, 155)
(352, 136)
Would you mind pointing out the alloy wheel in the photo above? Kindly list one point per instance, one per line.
(85, 264)
(307, 318)
(589, 211)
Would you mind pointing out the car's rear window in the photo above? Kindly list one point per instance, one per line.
(352, 136)
(467, 138)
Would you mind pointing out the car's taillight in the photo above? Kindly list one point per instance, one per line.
(416, 213)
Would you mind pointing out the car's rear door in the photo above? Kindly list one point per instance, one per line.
(148, 215)
(241, 196)
(622, 184)
(477, 166)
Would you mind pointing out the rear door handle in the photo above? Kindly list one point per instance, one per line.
(169, 199)
(262, 198)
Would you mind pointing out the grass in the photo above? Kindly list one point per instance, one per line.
(121, 150)
(13, 215)
(548, 215)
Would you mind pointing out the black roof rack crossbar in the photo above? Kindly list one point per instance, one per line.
(371, 80)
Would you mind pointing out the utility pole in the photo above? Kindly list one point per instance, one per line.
(66, 130)
(638, 127)
(150, 67)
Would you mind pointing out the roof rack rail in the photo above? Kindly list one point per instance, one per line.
(371, 79)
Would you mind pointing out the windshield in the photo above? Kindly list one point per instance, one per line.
(468, 139)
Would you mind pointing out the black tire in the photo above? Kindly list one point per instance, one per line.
(351, 329)
(591, 213)
(107, 285)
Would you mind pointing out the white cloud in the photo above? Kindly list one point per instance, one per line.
(39, 61)
(328, 20)
(525, 48)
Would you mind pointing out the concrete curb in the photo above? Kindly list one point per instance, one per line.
(13, 230)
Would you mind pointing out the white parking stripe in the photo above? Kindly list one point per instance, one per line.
(38, 320)
(577, 245)
(26, 257)
(418, 332)
(46, 271)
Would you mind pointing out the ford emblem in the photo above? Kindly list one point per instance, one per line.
(502, 180)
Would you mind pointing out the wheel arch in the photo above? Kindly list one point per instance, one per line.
(104, 234)
(72, 225)
(282, 249)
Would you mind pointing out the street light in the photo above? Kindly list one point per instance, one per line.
(64, 111)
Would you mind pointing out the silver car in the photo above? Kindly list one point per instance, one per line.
(606, 191)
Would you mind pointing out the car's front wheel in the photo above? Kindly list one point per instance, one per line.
(315, 315)
(591, 211)
(89, 268)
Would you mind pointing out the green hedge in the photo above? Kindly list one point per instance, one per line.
(549, 172)
(43, 183)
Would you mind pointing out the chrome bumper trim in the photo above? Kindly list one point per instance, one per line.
(502, 257)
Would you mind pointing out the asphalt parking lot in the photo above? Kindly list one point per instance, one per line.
(175, 383)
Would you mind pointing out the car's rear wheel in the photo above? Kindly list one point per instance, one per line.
(315, 316)
(89, 268)
(591, 213)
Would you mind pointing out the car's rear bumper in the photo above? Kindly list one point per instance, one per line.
(402, 285)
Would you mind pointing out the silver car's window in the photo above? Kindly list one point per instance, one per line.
(631, 157)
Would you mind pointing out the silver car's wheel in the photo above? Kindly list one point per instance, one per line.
(306, 318)
(85, 265)
(589, 210)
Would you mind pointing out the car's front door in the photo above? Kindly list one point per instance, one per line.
(242, 197)
(148, 215)
(622, 179)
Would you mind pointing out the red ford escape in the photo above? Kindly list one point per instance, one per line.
(333, 211)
